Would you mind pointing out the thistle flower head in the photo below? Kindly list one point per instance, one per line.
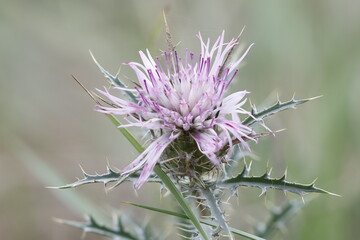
(182, 101)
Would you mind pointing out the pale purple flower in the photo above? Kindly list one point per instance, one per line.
(184, 96)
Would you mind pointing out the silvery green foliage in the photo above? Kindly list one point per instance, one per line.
(114, 80)
(278, 218)
(105, 178)
(195, 157)
(264, 182)
(259, 116)
(122, 230)
(209, 195)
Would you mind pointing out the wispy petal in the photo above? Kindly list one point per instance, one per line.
(149, 158)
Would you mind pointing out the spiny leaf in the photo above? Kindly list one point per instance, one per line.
(258, 116)
(265, 181)
(92, 226)
(179, 215)
(278, 218)
(216, 211)
(114, 80)
(109, 176)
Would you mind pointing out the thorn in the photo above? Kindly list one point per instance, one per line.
(242, 30)
(108, 168)
(263, 191)
(82, 170)
(246, 172)
(333, 194)
(253, 107)
(93, 57)
(285, 173)
(118, 72)
(312, 184)
(280, 130)
(313, 98)
(86, 90)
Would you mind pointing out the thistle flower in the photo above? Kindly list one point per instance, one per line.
(181, 100)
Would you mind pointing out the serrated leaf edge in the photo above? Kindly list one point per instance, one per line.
(265, 181)
(92, 226)
(258, 116)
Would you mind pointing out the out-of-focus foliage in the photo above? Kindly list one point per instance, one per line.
(305, 47)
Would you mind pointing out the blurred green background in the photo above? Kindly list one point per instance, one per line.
(309, 48)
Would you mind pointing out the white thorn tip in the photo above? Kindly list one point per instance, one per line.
(313, 98)
(82, 169)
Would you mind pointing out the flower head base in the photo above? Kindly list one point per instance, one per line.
(182, 101)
